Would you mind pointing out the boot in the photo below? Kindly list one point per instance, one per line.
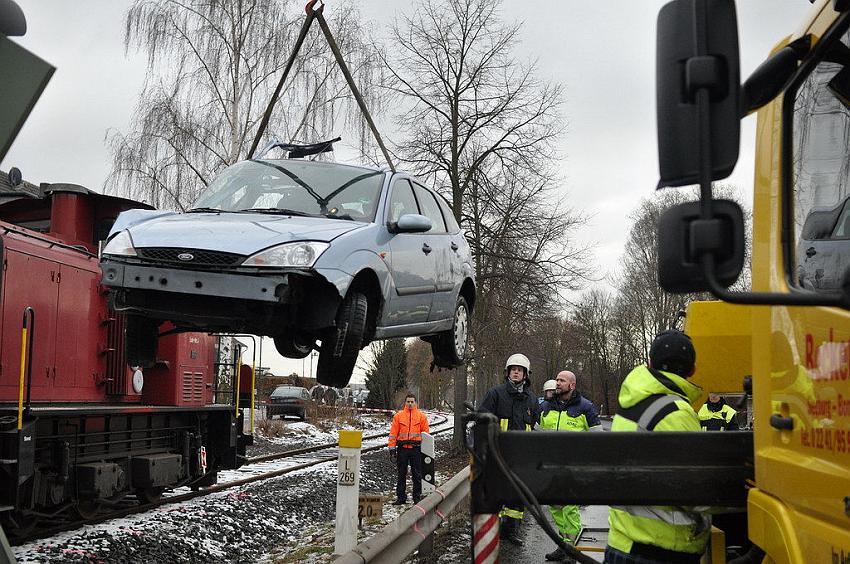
(511, 532)
(556, 555)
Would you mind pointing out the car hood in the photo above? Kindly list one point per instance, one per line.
(240, 233)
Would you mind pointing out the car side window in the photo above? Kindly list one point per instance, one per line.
(401, 200)
(448, 215)
(842, 226)
(820, 160)
(430, 208)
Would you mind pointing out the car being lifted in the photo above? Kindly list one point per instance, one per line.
(316, 255)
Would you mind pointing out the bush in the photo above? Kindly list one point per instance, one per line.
(271, 428)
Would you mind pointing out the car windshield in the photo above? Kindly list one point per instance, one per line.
(287, 392)
(295, 187)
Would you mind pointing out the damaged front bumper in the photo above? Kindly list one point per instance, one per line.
(265, 288)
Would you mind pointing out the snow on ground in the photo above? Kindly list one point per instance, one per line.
(284, 519)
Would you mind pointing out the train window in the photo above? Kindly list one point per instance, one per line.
(821, 184)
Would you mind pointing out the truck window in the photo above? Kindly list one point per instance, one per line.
(821, 183)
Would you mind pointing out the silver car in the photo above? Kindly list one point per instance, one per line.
(305, 252)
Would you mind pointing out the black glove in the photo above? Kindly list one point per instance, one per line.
(393, 453)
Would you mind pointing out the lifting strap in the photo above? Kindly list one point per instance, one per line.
(316, 14)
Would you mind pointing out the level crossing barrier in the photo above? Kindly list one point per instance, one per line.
(413, 528)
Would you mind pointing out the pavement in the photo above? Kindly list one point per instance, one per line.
(594, 519)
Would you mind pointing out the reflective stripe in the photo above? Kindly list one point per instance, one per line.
(512, 513)
(654, 408)
(669, 516)
(503, 424)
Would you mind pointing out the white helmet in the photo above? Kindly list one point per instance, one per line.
(519, 360)
(548, 385)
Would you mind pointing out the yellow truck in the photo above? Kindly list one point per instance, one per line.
(795, 340)
(786, 340)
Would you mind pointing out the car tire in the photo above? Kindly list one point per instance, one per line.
(142, 338)
(288, 347)
(449, 348)
(341, 345)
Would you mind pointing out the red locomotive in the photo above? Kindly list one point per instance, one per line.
(79, 429)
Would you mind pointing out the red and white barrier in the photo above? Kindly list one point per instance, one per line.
(485, 538)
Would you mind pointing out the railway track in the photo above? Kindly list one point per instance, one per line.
(227, 479)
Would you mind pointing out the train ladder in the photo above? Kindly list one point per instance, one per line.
(485, 538)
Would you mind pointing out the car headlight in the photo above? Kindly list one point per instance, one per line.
(302, 253)
(121, 244)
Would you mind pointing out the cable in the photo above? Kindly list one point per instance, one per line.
(522, 490)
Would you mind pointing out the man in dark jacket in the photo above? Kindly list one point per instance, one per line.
(717, 415)
(516, 407)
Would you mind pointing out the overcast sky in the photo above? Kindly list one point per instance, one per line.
(603, 53)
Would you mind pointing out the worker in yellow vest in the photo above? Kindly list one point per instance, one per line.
(717, 415)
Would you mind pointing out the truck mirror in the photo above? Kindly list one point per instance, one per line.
(697, 51)
(683, 236)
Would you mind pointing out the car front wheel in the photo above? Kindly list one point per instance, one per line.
(341, 345)
(449, 347)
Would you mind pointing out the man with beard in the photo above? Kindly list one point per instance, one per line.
(567, 411)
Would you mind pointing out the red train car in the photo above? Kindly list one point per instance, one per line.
(79, 428)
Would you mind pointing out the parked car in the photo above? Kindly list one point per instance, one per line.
(288, 400)
(823, 250)
(316, 255)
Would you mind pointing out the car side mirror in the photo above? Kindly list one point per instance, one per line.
(697, 52)
(411, 223)
(683, 236)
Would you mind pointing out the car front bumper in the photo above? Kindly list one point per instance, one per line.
(263, 288)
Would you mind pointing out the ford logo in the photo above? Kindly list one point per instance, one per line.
(185, 256)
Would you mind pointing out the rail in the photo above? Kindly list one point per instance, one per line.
(120, 511)
(413, 527)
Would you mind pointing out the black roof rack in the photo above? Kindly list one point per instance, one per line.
(295, 151)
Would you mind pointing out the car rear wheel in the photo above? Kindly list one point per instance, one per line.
(341, 345)
(291, 347)
(449, 347)
(141, 341)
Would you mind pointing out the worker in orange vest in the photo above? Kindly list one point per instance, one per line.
(405, 443)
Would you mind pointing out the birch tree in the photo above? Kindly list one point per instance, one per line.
(212, 68)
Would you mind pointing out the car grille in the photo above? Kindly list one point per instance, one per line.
(201, 257)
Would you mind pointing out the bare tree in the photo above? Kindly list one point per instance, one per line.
(643, 308)
(212, 68)
(482, 127)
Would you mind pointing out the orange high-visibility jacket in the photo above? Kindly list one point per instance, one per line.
(407, 428)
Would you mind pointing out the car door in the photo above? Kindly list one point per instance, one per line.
(411, 263)
(438, 238)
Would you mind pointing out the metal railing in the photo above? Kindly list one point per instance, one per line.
(413, 527)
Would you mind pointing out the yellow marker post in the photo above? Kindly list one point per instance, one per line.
(347, 490)
(238, 381)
